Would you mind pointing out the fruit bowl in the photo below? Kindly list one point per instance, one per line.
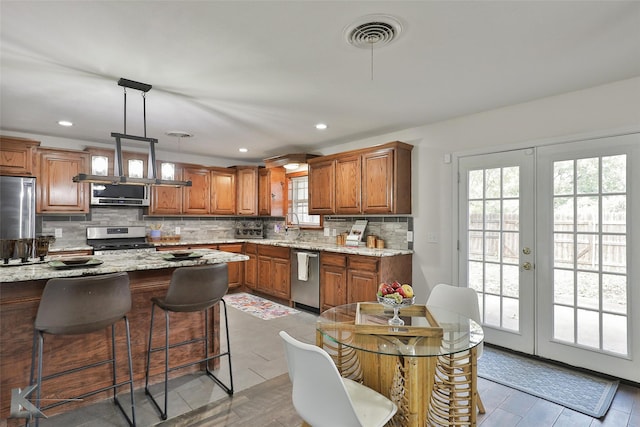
(396, 305)
(392, 302)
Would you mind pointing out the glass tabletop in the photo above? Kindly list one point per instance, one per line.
(428, 330)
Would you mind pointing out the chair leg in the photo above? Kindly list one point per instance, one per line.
(163, 412)
(480, 405)
(131, 420)
(227, 389)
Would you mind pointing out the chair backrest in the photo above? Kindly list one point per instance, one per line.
(319, 395)
(80, 305)
(197, 288)
(462, 300)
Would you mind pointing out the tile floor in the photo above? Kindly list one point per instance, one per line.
(258, 356)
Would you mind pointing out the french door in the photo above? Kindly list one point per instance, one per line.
(564, 287)
(496, 245)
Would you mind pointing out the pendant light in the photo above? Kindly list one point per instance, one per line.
(118, 174)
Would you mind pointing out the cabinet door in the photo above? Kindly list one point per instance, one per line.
(197, 198)
(247, 191)
(235, 269)
(167, 200)
(223, 191)
(264, 274)
(281, 277)
(56, 190)
(17, 156)
(251, 266)
(322, 175)
(334, 286)
(271, 185)
(348, 184)
(377, 182)
(362, 285)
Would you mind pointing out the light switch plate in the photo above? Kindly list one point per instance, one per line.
(327, 232)
(409, 236)
(57, 232)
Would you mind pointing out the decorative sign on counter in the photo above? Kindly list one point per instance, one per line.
(357, 233)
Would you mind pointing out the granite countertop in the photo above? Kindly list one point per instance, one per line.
(295, 244)
(112, 264)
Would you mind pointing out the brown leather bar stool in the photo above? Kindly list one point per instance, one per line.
(82, 305)
(192, 289)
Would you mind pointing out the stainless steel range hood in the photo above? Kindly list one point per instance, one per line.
(118, 176)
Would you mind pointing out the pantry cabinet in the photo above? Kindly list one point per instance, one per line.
(17, 156)
(374, 180)
(57, 193)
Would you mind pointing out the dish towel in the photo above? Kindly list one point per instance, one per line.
(303, 266)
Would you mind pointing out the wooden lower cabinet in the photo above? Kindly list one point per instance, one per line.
(236, 269)
(274, 271)
(251, 266)
(346, 279)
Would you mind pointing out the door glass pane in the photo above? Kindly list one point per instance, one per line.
(494, 243)
(590, 245)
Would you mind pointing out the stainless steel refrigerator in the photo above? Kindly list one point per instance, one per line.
(17, 207)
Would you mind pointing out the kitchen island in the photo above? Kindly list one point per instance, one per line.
(149, 275)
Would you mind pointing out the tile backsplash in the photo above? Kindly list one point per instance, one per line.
(72, 228)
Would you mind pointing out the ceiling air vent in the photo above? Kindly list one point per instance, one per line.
(373, 31)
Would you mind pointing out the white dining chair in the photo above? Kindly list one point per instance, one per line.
(323, 398)
(462, 300)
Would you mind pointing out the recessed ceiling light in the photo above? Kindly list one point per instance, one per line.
(243, 150)
(65, 123)
(321, 126)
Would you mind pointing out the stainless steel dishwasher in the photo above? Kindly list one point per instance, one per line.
(305, 292)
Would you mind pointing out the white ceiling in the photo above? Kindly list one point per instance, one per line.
(261, 74)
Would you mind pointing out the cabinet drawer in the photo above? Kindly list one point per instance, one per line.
(328, 258)
(359, 262)
(231, 247)
(273, 251)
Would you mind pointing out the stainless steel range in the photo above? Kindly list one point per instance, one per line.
(108, 240)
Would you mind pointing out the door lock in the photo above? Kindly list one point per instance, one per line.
(527, 266)
(526, 251)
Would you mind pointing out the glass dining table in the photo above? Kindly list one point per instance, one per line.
(428, 366)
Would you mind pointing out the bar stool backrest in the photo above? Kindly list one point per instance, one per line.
(81, 305)
(196, 288)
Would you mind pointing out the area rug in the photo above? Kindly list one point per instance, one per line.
(579, 391)
(259, 307)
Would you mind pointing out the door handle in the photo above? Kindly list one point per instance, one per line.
(527, 266)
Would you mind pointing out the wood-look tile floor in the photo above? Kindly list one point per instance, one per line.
(263, 393)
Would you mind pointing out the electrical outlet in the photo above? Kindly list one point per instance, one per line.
(327, 232)
(333, 232)
(177, 230)
(58, 232)
(409, 236)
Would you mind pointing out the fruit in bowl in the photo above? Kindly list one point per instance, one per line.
(395, 293)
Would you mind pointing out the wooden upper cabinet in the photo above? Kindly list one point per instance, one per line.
(197, 198)
(247, 190)
(271, 188)
(223, 191)
(377, 181)
(57, 193)
(17, 156)
(348, 184)
(167, 200)
(374, 180)
(322, 186)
